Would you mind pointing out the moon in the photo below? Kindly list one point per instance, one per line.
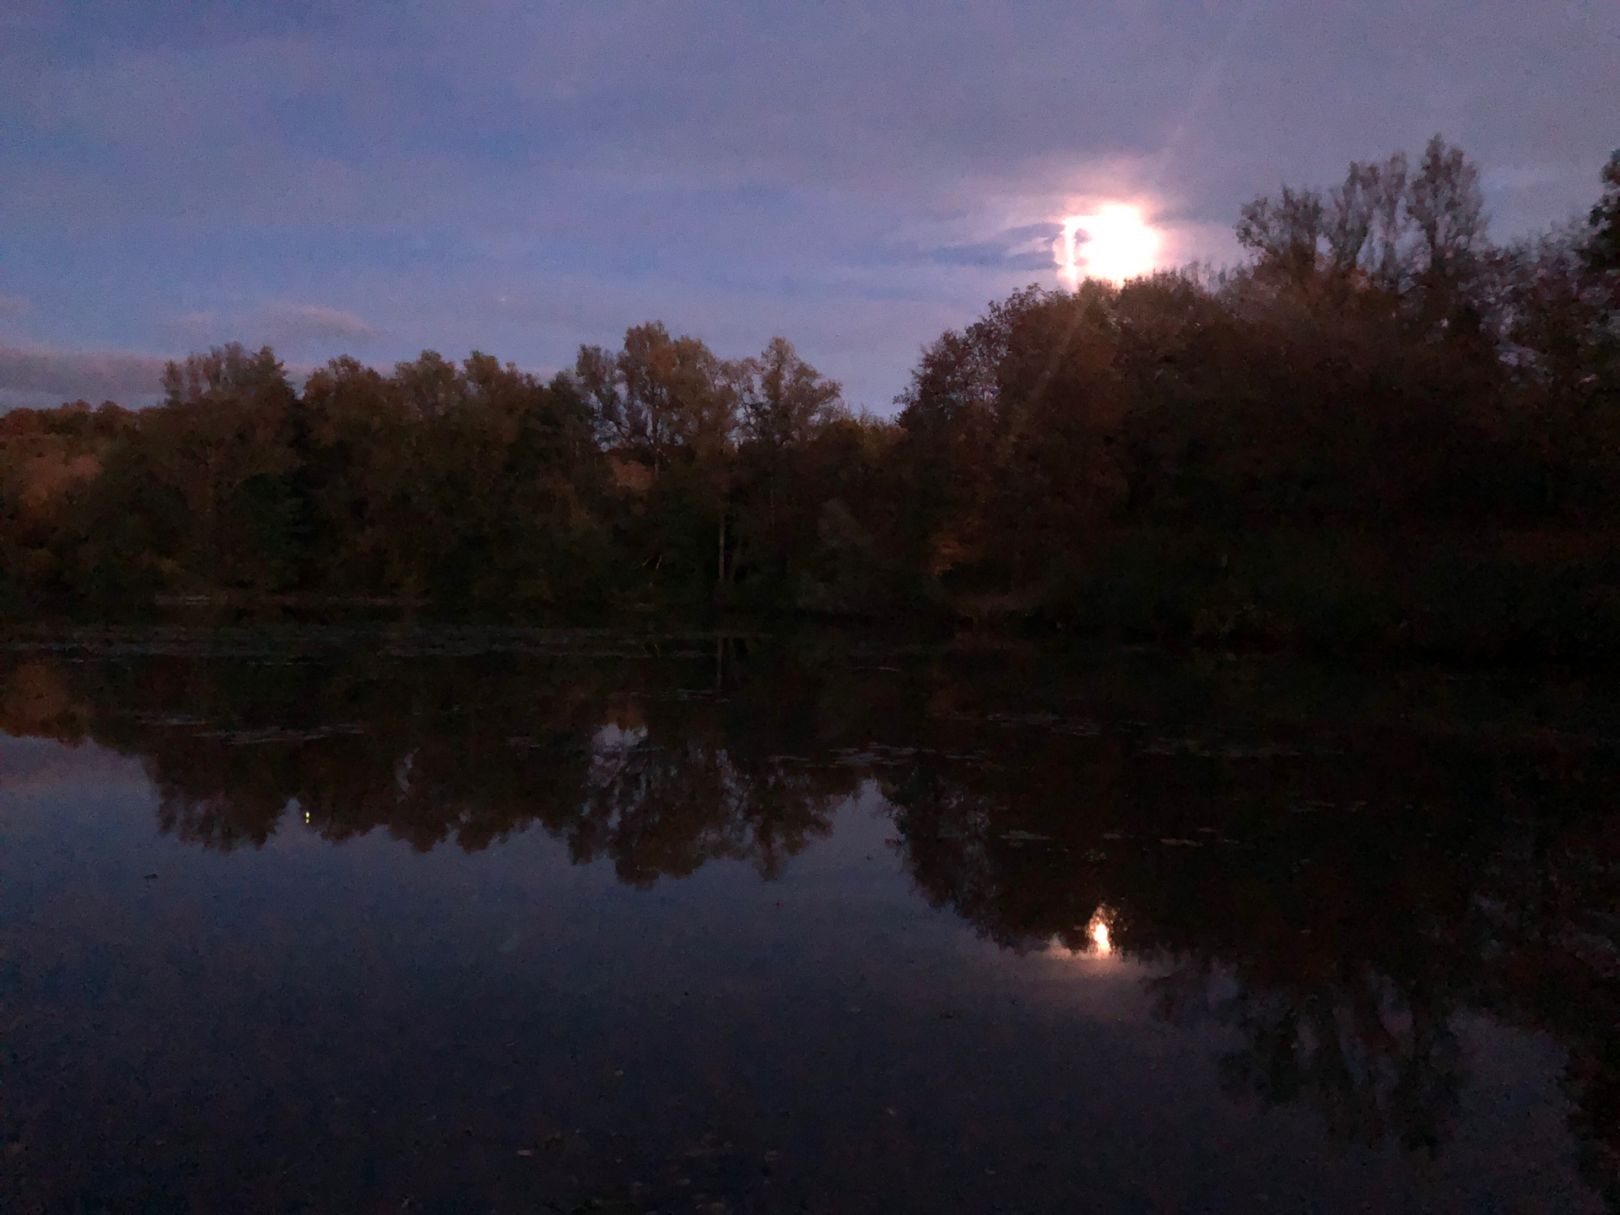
(1113, 242)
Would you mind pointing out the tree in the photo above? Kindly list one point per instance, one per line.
(659, 395)
(364, 452)
(228, 375)
(1284, 234)
(1447, 211)
(784, 399)
(1363, 222)
(1416, 235)
(785, 406)
(1600, 252)
(224, 442)
(670, 404)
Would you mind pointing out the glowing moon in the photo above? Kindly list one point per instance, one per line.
(1114, 242)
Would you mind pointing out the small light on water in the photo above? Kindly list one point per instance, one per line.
(1096, 940)
(1097, 930)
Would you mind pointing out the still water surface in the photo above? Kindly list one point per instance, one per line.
(400, 919)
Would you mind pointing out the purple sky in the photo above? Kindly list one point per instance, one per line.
(378, 178)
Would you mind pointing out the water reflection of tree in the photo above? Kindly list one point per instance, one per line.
(1334, 897)
(625, 762)
(1338, 916)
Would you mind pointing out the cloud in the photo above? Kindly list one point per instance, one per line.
(300, 324)
(41, 376)
(13, 305)
(1027, 247)
(291, 327)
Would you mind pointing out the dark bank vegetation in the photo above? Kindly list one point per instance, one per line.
(1382, 431)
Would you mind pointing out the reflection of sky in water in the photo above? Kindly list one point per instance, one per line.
(358, 1020)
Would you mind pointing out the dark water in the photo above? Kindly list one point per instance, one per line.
(348, 919)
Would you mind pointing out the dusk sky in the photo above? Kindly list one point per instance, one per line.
(376, 178)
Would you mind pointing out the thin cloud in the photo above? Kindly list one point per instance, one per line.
(13, 305)
(1026, 247)
(297, 324)
(30, 375)
(196, 322)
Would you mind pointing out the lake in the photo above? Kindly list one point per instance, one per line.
(406, 918)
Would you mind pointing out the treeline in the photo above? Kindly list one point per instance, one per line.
(1380, 429)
